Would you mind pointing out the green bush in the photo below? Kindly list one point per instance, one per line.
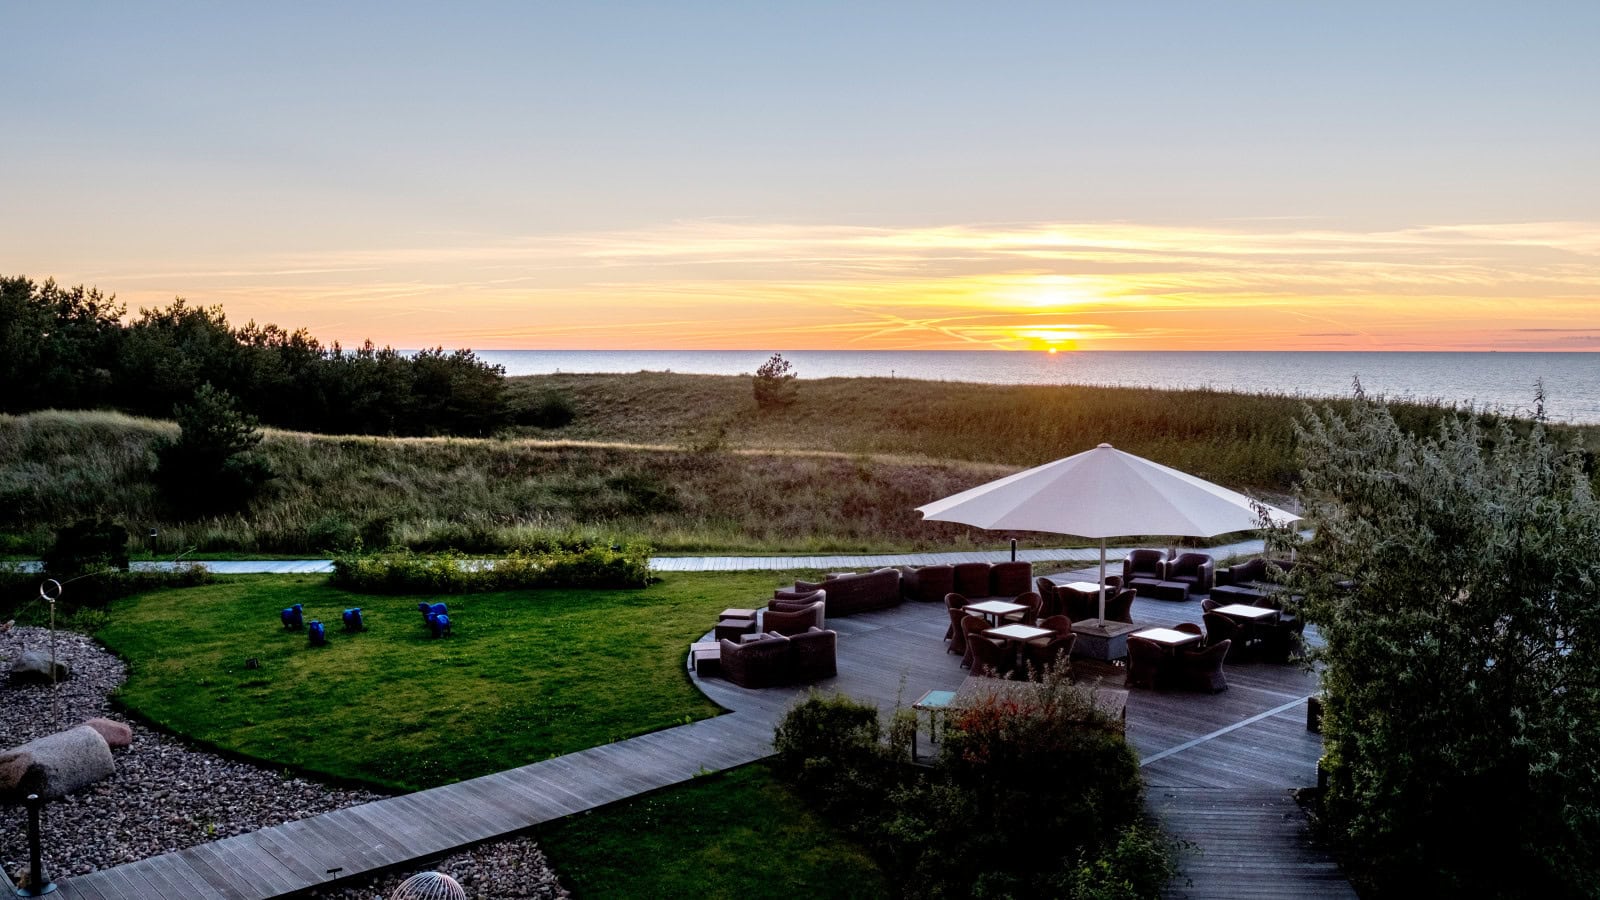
(212, 466)
(551, 409)
(405, 572)
(774, 383)
(19, 590)
(1038, 796)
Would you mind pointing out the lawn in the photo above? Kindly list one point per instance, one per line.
(527, 674)
(736, 834)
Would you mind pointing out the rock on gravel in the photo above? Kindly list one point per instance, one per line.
(57, 764)
(34, 666)
(117, 734)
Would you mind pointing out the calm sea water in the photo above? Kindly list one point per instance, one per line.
(1502, 380)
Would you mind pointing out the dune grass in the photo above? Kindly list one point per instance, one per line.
(731, 835)
(527, 674)
(685, 463)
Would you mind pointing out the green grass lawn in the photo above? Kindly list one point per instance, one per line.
(732, 835)
(527, 674)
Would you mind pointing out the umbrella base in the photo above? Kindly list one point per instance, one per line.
(1105, 642)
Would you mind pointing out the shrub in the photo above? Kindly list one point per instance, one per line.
(1032, 797)
(87, 545)
(774, 383)
(551, 409)
(1461, 671)
(19, 590)
(405, 572)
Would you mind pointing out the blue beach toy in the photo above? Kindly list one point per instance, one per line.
(353, 621)
(439, 624)
(315, 633)
(293, 618)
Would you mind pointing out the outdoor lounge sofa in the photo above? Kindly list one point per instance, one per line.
(794, 620)
(773, 659)
(857, 592)
(926, 584)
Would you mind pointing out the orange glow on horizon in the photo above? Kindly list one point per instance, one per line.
(720, 285)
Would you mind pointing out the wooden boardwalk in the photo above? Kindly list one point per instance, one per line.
(1220, 768)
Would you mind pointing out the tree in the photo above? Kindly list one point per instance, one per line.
(1453, 579)
(58, 346)
(211, 467)
(774, 383)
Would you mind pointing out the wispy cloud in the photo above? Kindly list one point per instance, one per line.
(722, 283)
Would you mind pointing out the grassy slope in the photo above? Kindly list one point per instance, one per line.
(527, 674)
(841, 470)
(732, 835)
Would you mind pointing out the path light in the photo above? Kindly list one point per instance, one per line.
(429, 886)
(38, 883)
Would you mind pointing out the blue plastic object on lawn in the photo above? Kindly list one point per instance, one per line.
(352, 620)
(292, 617)
(440, 624)
(315, 634)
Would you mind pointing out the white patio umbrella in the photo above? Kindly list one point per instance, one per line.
(1103, 493)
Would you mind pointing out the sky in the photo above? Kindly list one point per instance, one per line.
(1098, 176)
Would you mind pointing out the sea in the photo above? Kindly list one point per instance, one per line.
(1502, 381)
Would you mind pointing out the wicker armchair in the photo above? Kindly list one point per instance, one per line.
(972, 628)
(792, 622)
(972, 579)
(1050, 595)
(989, 658)
(814, 655)
(1201, 670)
(1059, 624)
(1010, 579)
(1197, 570)
(1222, 630)
(1148, 564)
(1120, 607)
(1147, 664)
(958, 635)
(757, 664)
(927, 584)
(1192, 628)
(1033, 602)
(791, 600)
(953, 603)
(1053, 652)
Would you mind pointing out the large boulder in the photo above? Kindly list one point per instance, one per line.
(117, 734)
(34, 665)
(55, 765)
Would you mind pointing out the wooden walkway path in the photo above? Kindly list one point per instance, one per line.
(1220, 768)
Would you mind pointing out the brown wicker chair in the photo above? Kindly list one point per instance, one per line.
(1042, 656)
(1148, 664)
(957, 635)
(1222, 630)
(954, 602)
(1033, 602)
(1201, 670)
(989, 658)
(795, 621)
(1197, 570)
(789, 600)
(1191, 628)
(1120, 608)
(758, 664)
(1207, 604)
(1051, 595)
(972, 628)
(1059, 624)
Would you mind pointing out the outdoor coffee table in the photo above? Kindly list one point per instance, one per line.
(934, 702)
(1020, 633)
(737, 614)
(706, 658)
(1170, 638)
(1083, 587)
(993, 610)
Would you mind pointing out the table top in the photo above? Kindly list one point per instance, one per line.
(996, 607)
(738, 614)
(1245, 611)
(934, 700)
(1169, 636)
(1083, 587)
(1018, 632)
(705, 645)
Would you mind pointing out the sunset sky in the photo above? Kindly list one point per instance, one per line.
(1103, 176)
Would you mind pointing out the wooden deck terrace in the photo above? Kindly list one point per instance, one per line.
(1219, 769)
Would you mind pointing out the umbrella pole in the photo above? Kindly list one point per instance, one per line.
(1102, 582)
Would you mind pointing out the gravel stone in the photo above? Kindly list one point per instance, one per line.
(167, 795)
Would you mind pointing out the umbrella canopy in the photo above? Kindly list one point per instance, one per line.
(1103, 493)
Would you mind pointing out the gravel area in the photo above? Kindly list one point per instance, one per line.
(167, 795)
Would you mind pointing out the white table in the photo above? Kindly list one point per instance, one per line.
(1247, 612)
(993, 610)
(1170, 637)
(1019, 632)
(1083, 587)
